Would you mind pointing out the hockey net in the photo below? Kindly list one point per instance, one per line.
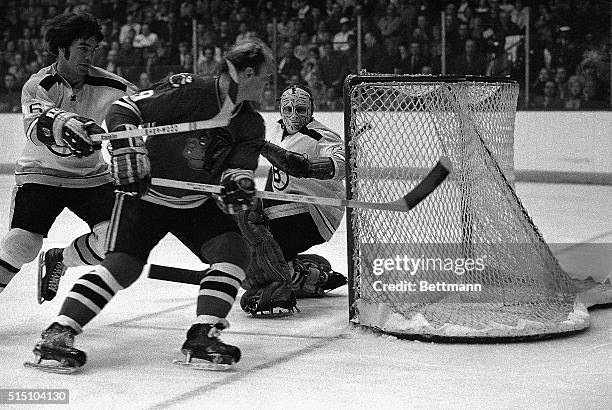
(467, 263)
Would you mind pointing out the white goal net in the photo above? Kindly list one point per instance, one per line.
(467, 263)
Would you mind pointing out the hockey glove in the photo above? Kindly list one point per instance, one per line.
(238, 191)
(130, 164)
(298, 165)
(67, 129)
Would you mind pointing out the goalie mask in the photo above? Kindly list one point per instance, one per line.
(296, 108)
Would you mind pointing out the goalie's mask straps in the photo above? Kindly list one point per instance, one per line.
(296, 108)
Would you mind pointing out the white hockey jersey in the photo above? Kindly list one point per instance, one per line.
(54, 165)
(316, 140)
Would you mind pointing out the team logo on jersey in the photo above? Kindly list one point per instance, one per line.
(176, 80)
(208, 150)
(280, 179)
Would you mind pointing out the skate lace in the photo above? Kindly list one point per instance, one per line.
(56, 274)
(59, 337)
(214, 332)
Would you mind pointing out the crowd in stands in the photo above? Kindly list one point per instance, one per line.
(144, 40)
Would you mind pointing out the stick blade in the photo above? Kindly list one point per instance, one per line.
(435, 177)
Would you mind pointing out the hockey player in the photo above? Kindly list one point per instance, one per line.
(60, 167)
(307, 159)
(225, 154)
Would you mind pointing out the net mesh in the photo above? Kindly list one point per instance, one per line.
(467, 262)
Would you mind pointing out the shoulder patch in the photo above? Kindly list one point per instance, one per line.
(314, 134)
(105, 82)
(49, 81)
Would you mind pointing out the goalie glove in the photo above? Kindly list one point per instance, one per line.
(130, 164)
(298, 165)
(238, 191)
(67, 129)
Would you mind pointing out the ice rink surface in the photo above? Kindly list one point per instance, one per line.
(313, 359)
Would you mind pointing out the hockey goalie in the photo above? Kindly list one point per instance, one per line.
(308, 159)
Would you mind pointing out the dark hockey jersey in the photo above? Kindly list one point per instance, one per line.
(195, 156)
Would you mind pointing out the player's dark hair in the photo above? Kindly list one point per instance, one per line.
(252, 53)
(63, 29)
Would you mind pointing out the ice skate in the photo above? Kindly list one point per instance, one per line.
(50, 270)
(57, 344)
(263, 302)
(203, 343)
(313, 276)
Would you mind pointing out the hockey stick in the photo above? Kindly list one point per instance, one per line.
(431, 181)
(162, 129)
(172, 274)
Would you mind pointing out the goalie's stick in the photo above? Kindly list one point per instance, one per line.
(173, 274)
(161, 129)
(431, 181)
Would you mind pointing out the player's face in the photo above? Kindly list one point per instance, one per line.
(79, 57)
(296, 109)
(257, 82)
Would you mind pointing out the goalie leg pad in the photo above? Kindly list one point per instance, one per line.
(267, 262)
(313, 276)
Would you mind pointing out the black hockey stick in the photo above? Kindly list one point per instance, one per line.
(172, 274)
(433, 179)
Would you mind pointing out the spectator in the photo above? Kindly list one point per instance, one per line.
(373, 53)
(330, 101)
(224, 36)
(390, 24)
(112, 63)
(411, 59)
(208, 66)
(130, 61)
(593, 95)
(575, 98)
(144, 81)
(303, 46)
(146, 38)
(17, 68)
(184, 59)
(243, 32)
(471, 61)
(349, 57)
(549, 101)
(391, 56)
(310, 72)
(184, 21)
(562, 85)
(341, 37)
(10, 94)
(332, 67)
(268, 102)
(130, 24)
(288, 65)
(537, 87)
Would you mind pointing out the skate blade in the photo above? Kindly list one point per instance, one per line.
(204, 365)
(41, 266)
(52, 368)
(271, 314)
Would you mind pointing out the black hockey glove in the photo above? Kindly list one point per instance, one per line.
(130, 164)
(298, 165)
(67, 129)
(238, 191)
